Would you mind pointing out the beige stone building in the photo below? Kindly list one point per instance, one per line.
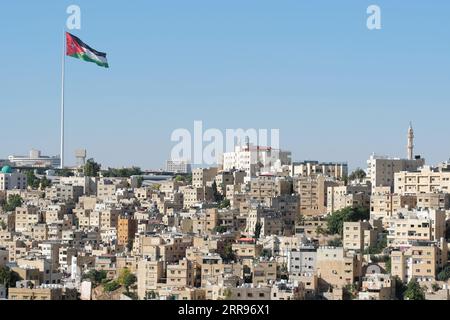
(26, 217)
(107, 188)
(211, 269)
(168, 248)
(192, 196)
(336, 268)
(437, 201)
(421, 261)
(384, 204)
(201, 177)
(426, 180)
(359, 236)
(265, 187)
(42, 293)
(64, 192)
(109, 218)
(310, 281)
(181, 274)
(313, 193)
(149, 274)
(205, 221)
(250, 293)
(340, 197)
(311, 227)
(264, 272)
(247, 248)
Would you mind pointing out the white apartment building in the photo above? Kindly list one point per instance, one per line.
(255, 159)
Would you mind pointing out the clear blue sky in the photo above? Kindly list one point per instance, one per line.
(336, 90)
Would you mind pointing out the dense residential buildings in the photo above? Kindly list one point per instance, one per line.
(270, 230)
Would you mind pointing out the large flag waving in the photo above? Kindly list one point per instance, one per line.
(78, 49)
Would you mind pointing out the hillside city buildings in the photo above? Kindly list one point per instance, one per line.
(255, 227)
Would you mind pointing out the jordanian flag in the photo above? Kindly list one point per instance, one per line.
(78, 49)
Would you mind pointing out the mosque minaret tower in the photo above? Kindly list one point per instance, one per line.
(410, 142)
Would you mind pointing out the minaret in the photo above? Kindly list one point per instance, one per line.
(410, 142)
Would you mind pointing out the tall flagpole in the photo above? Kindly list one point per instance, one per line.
(62, 100)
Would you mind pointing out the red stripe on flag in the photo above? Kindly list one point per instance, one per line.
(73, 47)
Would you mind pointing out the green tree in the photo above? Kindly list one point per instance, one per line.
(218, 197)
(32, 180)
(179, 178)
(140, 180)
(225, 203)
(96, 276)
(399, 288)
(64, 172)
(335, 243)
(379, 247)
(8, 278)
(14, 201)
(122, 172)
(45, 183)
(91, 168)
(3, 225)
(357, 174)
(266, 253)
(350, 292)
(228, 254)
(111, 286)
(435, 287)
(414, 291)
(300, 219)
(151, 295)
(126, 279)
(132, 295)
(320, 230)
(258, 228)
(336, 220)
(227, 294)
(444, 275)
(220, 229)
(130, 245)
(388, 265)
